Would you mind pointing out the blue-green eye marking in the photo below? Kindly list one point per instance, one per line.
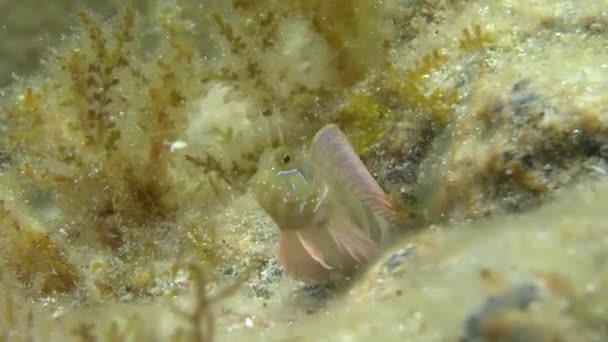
(290, 172)
(287, 187)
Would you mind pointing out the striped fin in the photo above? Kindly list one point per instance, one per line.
(298, 262)
(334, 155)
(339, 243)
(352, 240)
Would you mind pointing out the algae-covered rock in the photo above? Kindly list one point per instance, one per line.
(126, 159)
(529, 277)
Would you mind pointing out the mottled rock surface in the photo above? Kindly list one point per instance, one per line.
(487, 120)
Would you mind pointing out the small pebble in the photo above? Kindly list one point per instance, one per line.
(395, 260)
(249, 323)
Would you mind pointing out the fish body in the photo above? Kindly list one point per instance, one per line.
(331, 213)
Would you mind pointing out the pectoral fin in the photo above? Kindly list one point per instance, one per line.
(298, 262)
(313, 251)
(339, 242)
(320, 252)
(354, 242)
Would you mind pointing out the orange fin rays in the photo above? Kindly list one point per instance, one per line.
(338, 242)
(297, 261)
(313, 251)
(355, 242)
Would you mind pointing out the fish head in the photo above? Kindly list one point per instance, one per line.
(281, 158)
(283, 185)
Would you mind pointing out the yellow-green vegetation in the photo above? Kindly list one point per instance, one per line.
(410, 89)
(369, 113)
(97, 138)
(477, 39)
(131, 151)
(351, 30)
(79, 132)
(95, 135)
(126, 140)
(364, 120)
(32, 258)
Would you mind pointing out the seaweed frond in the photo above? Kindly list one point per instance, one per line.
(476, 39)
(36, 260)
(203, 312)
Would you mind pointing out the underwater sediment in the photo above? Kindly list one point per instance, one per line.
(126, 157)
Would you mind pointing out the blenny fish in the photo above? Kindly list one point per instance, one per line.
(331, 213)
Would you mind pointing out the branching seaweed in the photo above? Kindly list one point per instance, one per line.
(411, 90)
(36, 260)
(203, 307)
(476, 40)
(101, 153)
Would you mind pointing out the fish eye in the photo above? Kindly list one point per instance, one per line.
(286, 158)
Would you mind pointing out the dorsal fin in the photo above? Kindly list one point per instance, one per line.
(334, 155)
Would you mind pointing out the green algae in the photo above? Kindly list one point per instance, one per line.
(135, 195)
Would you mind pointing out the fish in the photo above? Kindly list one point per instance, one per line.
(331, 213)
